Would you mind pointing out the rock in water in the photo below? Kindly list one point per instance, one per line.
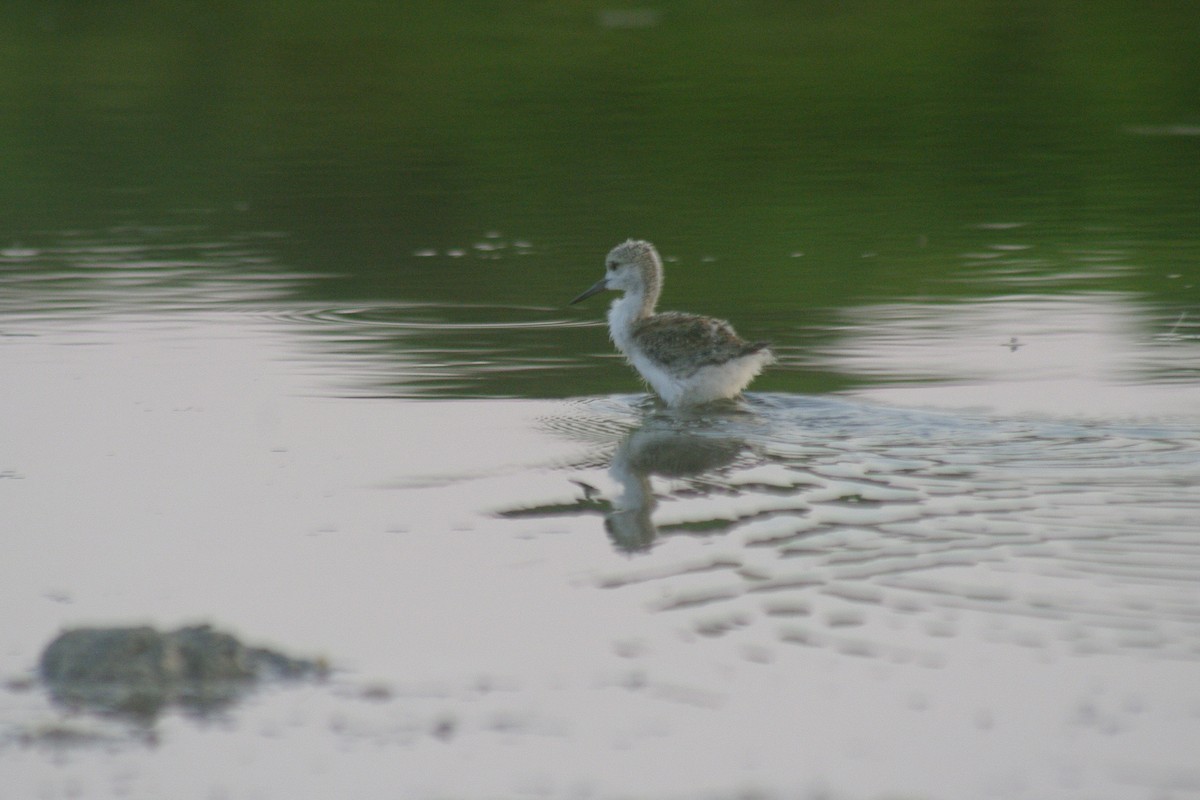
(138, 670)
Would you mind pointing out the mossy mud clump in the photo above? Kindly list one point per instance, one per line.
(138, 671)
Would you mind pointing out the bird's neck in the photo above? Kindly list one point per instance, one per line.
(625, 312)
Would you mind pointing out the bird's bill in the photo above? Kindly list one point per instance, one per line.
(600, 286)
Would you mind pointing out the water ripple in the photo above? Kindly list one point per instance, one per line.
(425, 317)
(889, 533)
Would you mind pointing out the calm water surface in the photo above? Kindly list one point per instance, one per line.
(499, 578)
(311, 377)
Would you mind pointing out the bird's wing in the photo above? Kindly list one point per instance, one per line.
(685, 342)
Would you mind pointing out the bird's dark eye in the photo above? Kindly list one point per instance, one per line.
(612, 265)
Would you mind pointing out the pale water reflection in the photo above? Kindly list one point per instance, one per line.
(869, 523)
(590, 595)
(1069, 354)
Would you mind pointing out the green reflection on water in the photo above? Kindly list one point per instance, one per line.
(873, 138)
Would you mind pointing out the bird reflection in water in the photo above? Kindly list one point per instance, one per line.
(668, 446)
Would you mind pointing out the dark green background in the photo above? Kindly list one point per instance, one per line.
(364, 132)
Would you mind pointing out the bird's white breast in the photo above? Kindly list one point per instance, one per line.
(706, 384)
